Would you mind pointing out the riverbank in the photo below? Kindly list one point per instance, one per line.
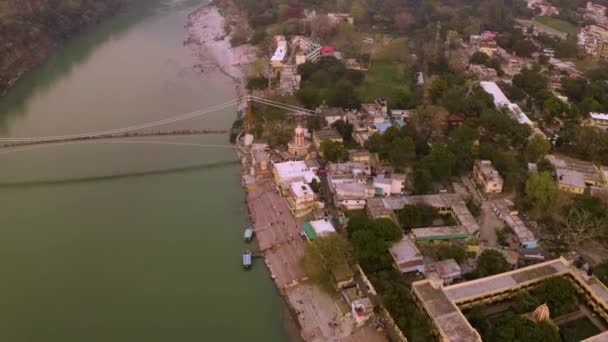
(209, 43)
(28, 38)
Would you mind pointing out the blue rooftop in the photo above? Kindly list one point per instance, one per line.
(383, 126)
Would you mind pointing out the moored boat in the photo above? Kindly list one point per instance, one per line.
(247, 259)
(248, 233)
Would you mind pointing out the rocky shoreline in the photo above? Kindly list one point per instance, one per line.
(210, 45)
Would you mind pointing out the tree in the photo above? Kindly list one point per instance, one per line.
(455, 252)
(439, 162)
(578, 225)
(309, 96)
(538, 147)
(461, 143)
(344, 128)
(553, 106)
(418, 215)
(559, 294)
(386, 230)
(403, 21)
(322, 255)
(601, 272)
(477, 317)
(479, 57)
(401, 152)
(491, 262)
(315, 185)
(315, 123)
(322, 28)
(512, 327)
(332, 151)
(540, 189)
(423, 180)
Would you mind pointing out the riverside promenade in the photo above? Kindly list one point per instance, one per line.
(319, 316)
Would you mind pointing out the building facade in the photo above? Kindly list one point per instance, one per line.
(487, 177)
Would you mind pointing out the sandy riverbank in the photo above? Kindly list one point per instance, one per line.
(211, 46)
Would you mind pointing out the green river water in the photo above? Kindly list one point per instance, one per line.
(135, 240)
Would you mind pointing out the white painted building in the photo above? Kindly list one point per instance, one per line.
(300, 199)
(292, 171)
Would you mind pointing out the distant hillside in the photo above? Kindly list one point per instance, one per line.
(30, 28)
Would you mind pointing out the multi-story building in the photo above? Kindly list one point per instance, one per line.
(487, 177)
(595, 12)
(598, 119)
(594, 40)
(444, 304)
(575, 176)
(300, 199)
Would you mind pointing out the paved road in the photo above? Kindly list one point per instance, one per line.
(488, 221)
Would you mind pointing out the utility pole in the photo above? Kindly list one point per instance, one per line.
(249, 113)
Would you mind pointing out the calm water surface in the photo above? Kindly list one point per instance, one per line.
(135, 240)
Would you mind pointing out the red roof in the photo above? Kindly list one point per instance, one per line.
(327, 49)
(456, 118)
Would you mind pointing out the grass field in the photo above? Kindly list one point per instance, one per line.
(559, 25)
(381, 80)
(577, 330)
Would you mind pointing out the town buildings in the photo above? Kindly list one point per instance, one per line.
(543, 7)
(446, 204)
(482, 72)
(293, 171)
(278, 57)
(506, 211)
(593, 39)
(483, 43)
(445, 270)
(299, 146)
(595, 13)
(575, 176)
(333, 114)
(389, 184)
(290, 80)
(406, 256)
(487, 177)
(326, 134)
(300, 199)
(338, 18)
(598, 119)
(444, 304)
(352, 196)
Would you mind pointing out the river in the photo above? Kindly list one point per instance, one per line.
(133, 239)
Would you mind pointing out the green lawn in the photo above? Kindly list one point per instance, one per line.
(381, 80)
(558, 24)
(577, 330)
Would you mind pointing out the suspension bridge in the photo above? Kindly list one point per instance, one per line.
(140, 129)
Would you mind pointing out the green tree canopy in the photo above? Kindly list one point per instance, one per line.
(332, 151)
(417, 215)
(491, 262)
(538, 147)
(324, 254)
(559, 295)
(540, 189)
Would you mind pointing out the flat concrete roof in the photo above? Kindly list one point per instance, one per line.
(446, 316)
(405, 250)
(453, 201)
(436, 233)
(499, 282)
(517, 226)
(440, 303)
